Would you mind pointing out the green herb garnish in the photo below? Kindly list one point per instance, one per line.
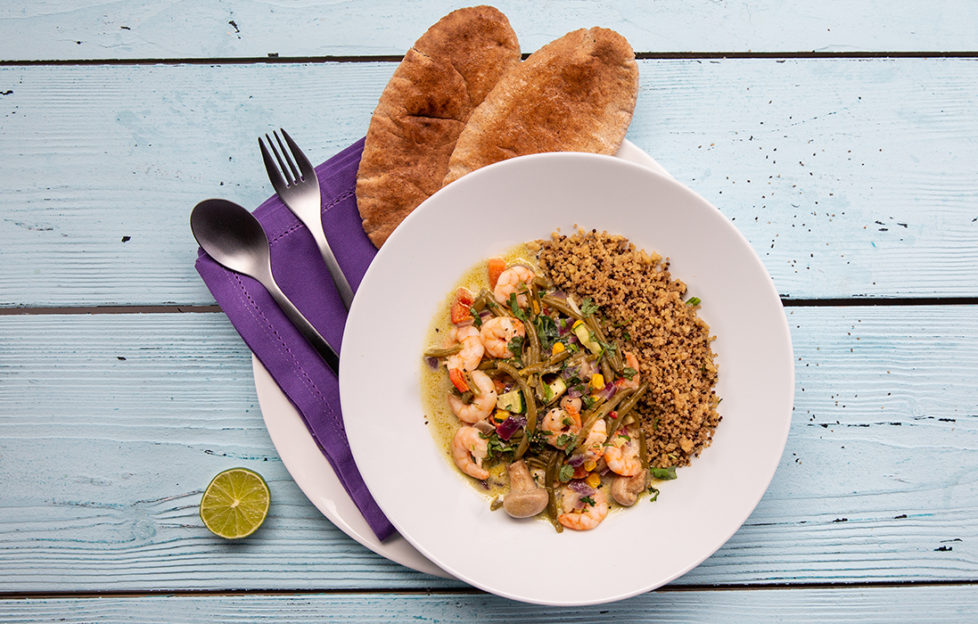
(655, 494)
(692, 301)
(587, 499)
(515, 345)
(629, 372)
(476, 317)
(546, 330)
(515, 308)
(564, 439)
(664, 474)
(565, 474)
(588, 307)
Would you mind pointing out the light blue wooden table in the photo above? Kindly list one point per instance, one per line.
(841, 138)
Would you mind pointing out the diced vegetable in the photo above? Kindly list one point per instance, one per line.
(511, 401)
(583, 334)
(457, 377)
(593, 479)
(556, 388)
(496, 267)
(597, 381)
(559, 348)
(461, 312)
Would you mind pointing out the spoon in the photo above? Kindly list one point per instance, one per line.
(234, 239)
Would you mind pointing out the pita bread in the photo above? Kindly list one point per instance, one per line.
(423, 109)
(574, 94)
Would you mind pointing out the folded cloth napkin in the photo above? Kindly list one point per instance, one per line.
(300, 271)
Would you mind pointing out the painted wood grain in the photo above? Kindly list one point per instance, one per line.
(111, 426)
(884, 605)
(87, 29)
(849, 177)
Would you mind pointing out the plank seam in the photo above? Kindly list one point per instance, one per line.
(461, 590)
(242, 60)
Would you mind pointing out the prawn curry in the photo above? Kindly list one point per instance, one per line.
(532, 401)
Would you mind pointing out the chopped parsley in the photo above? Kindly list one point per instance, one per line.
(655, 494)
(567, 422)
(564, 439)
(515, 345)
(629, 372)
(587, 402)
(514, 307)
(588, 307)
(587, 499)
(476, 317)
(665, 474)
(566, 472)
(546, 330)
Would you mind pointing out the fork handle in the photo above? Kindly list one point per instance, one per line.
(343, 286)
(305, 328)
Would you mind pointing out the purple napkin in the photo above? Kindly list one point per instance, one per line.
(299, 270)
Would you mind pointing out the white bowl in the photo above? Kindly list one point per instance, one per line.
(488, 212)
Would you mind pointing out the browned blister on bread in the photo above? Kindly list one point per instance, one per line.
(576, 93)
(423, 109)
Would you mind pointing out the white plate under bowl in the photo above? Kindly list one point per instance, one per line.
(483, 214)
(312, 472)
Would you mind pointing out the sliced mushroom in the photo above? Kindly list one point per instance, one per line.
(525, 498)
(625, 490)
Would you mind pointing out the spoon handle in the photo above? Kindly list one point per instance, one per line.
(304, 326)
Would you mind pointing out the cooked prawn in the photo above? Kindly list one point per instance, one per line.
(482, 403)
(469, 448)
(582, 513)
(510, 281)
(622, 454)
(631, 362)
(593, 445)
(472, 349)
(497, 332)
(563, 424)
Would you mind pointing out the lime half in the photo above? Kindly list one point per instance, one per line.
(235, 503)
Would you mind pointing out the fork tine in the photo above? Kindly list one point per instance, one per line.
(288, 158)
(308, 171)
(278, 182)
(281, 163)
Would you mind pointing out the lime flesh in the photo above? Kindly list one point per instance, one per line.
(235, 503)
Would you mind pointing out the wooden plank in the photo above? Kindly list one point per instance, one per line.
(863, 605)
(850, 177)
(103, 460)
(86, 29)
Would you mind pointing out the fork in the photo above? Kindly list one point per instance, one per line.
(295, 181)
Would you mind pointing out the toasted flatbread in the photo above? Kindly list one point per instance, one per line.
(576, 93)
(423, 109)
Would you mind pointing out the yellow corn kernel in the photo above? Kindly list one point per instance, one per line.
(577, 324)
(597, 381)
(558, 347)
(590, 465)
(593, 480)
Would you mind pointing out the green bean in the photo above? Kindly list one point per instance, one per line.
(542, 282)
(560, 306)
(533, 348)
(480, 302)
(550, 366)
(495, 308)
(595, 415)
(613, 357)
(474, 388)
(437, 352)
(551, 493)
(643, 449)
(487, 365)
(606, 371)
(627, 407)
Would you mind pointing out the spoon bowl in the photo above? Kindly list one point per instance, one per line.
(231, 235)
